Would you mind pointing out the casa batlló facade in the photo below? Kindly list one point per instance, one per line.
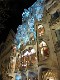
(35, 49)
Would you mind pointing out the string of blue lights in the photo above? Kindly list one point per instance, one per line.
(35, 12)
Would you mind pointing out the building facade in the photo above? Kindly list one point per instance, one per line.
(5, 53)
(51, 21)
(33, 53)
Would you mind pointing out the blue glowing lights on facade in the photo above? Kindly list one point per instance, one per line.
(35, 12)
(18, 77)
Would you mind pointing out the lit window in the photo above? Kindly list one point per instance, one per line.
(40, 30)
(51, 79)
(44, 49)
(33, 51)
(26, 53)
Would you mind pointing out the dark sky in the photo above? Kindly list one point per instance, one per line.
(16, 7)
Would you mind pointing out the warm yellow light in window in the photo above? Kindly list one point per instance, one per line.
(13, 60)
(42, 44)
(42, 51)
(51, 79)
(46, 74)
(40, 26)
(41, 30)
(36, 58)
(33, 51)
(22, 65)
(22, 55)
(26, 61)
(49, 73)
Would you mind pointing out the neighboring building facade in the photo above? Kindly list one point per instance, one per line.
(5, 53)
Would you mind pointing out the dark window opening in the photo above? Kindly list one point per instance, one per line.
(46, 1)
(45, 69)
(55, 15)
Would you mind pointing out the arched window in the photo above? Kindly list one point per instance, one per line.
(44, 51)
(41, 30)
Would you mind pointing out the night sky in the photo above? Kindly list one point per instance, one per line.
(15, 10)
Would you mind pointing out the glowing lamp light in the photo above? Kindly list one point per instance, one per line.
(40, 30)
(33, 51)
(51, 79)
(29, 53)
(26, 53)
(42, 51)
(40, 26)
(36, 58)
(22, 55)
(42, 44)
(24, 64)
(13, 60)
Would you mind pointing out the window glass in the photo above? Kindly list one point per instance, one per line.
(44, 51)
(40, 30)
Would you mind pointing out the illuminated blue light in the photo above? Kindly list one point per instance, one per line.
(18, 77)
(41, 1)
(25, 13)
(39, 16)
(35, 12)
(31, 22)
